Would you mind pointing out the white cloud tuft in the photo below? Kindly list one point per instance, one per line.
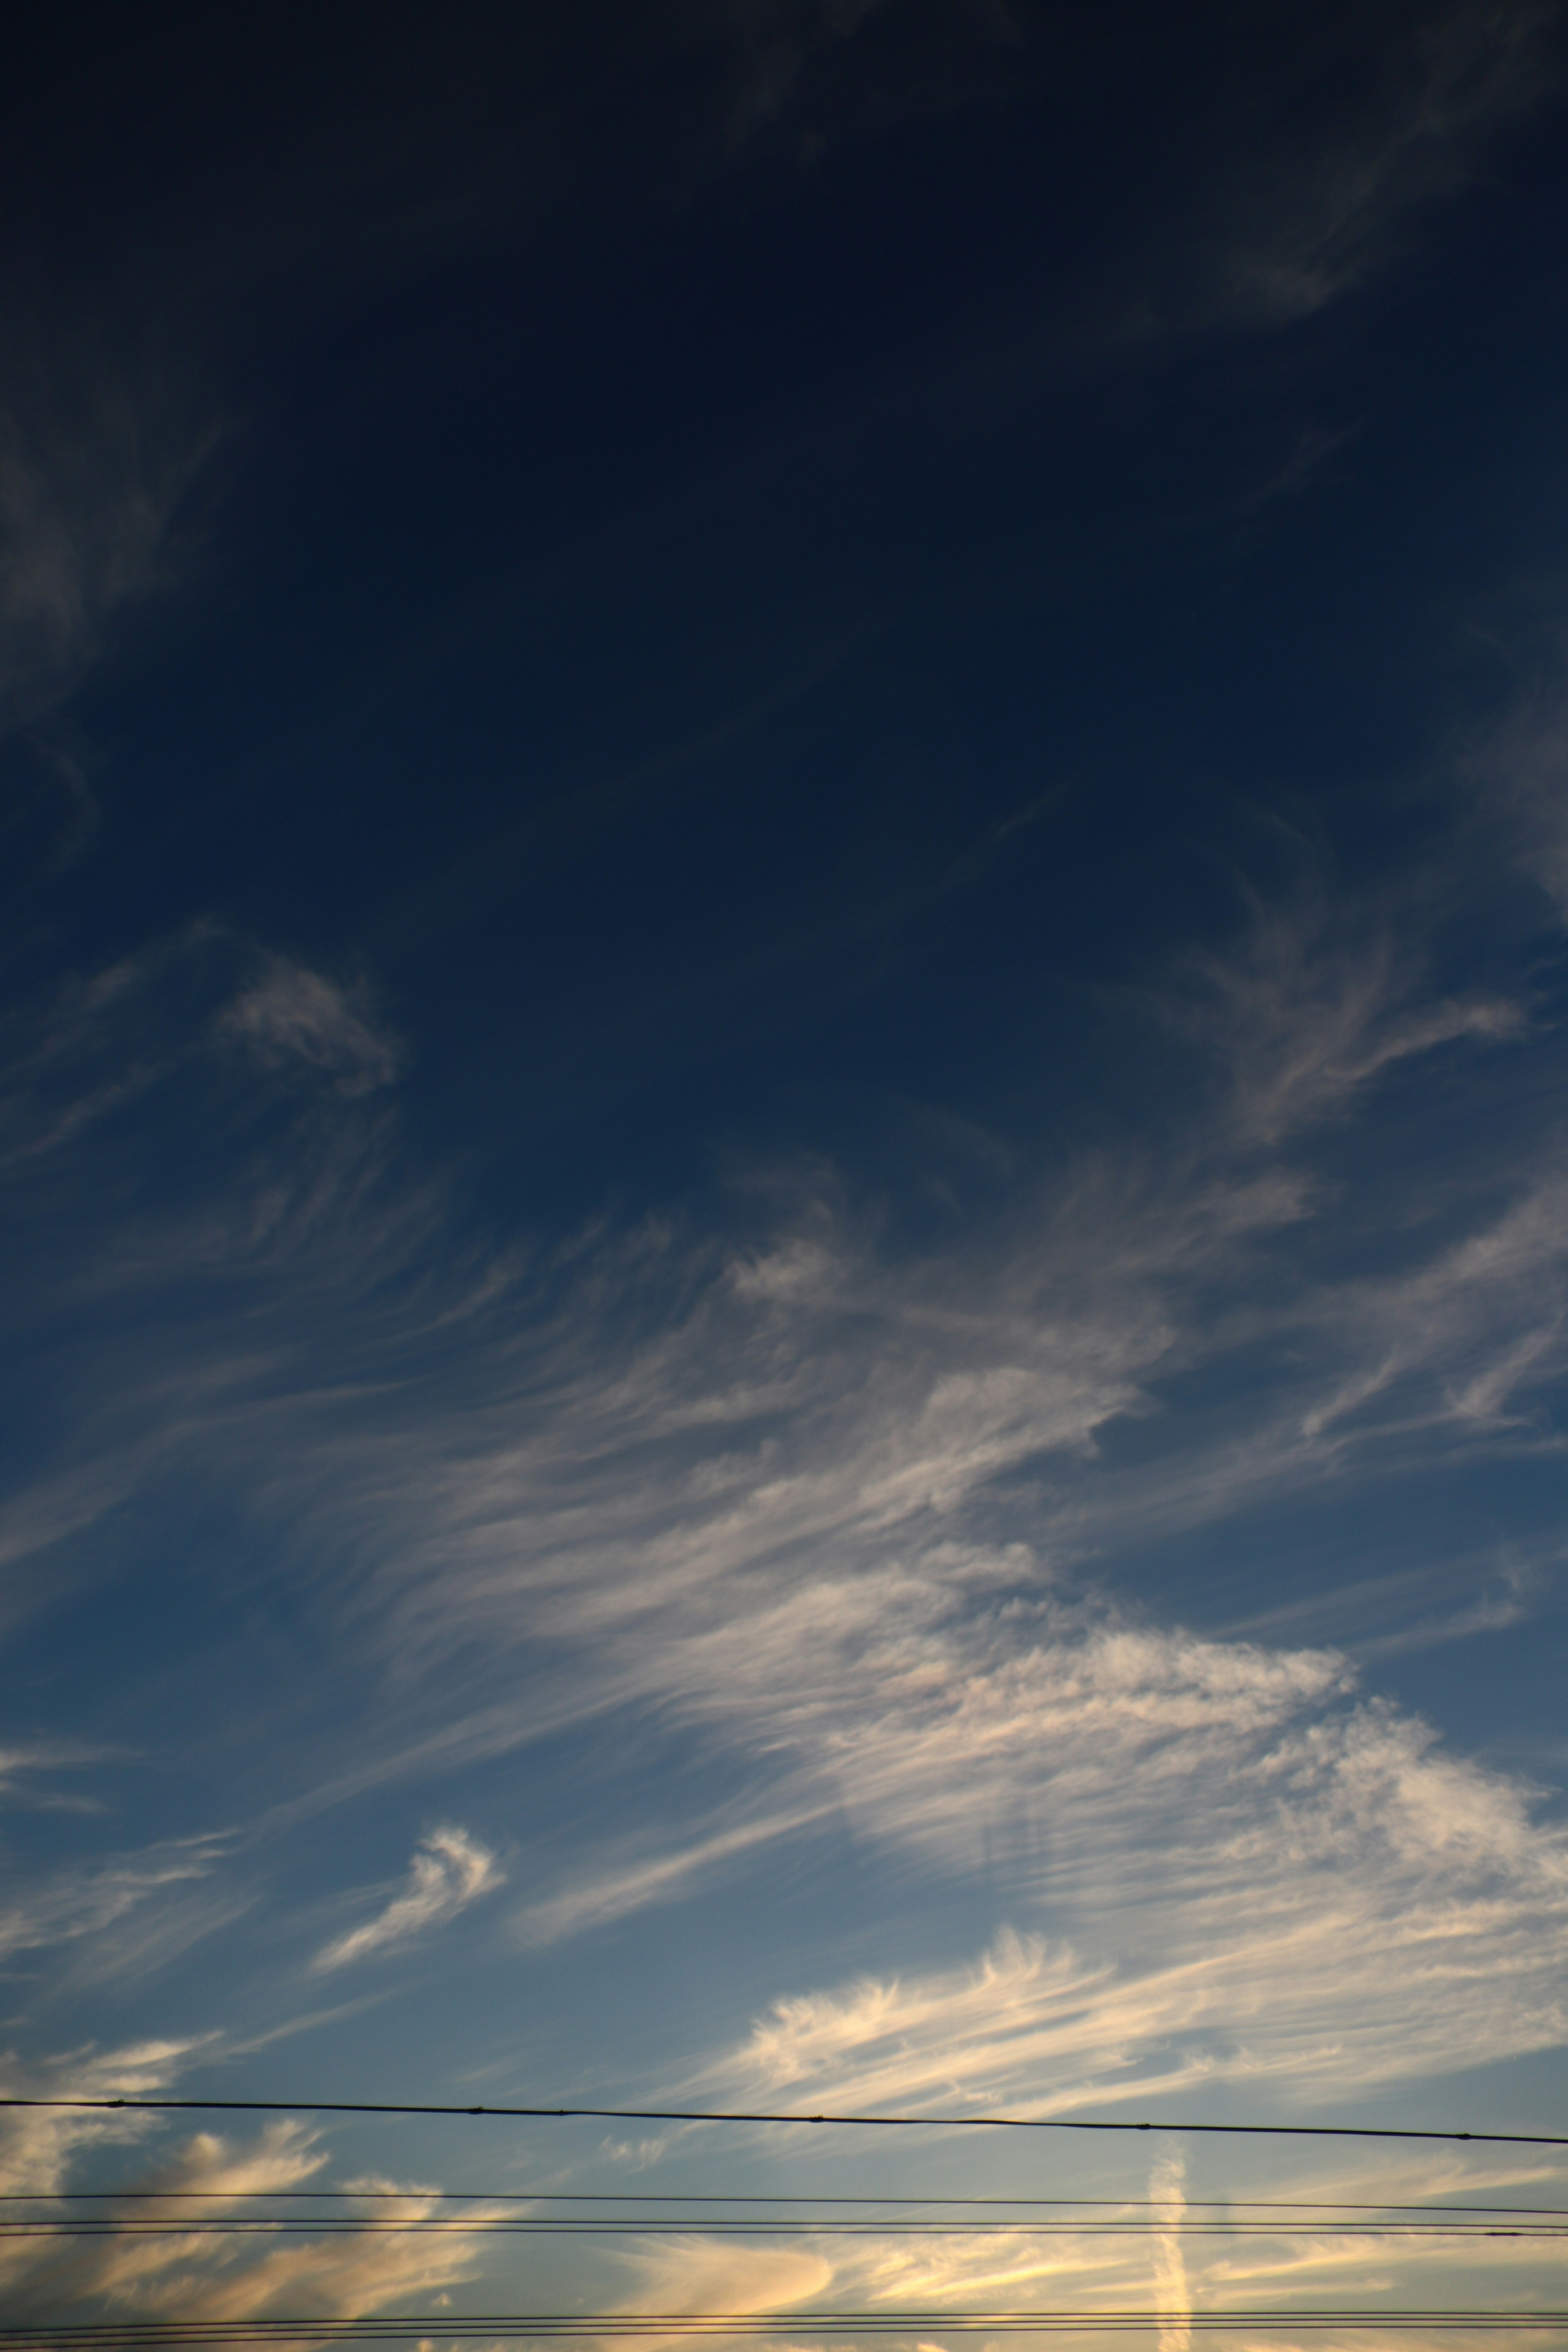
(450, 1871)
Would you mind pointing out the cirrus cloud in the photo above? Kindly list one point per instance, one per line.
(450, 1871)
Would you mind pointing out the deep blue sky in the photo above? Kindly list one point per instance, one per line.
(785, 862)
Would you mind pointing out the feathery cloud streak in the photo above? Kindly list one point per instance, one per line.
(832, 1512)
(450, 1871)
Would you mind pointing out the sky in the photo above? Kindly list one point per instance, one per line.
(783, 835)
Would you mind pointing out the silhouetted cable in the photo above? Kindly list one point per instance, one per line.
(761, 2115)
(1240, 2206)
(65, 2336)
(484, 2226)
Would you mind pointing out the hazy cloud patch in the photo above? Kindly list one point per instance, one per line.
(1323, 1901)
(204, 2273)
(769, 1497)
(450, 1871)
(610, 1892)
(1516, 777)
(1143, 2262)
(294, 1014)
(1312, 1007)
(25, 1771)
(38, 2144)
(89, 493)
(1325, 208)
(696, 2275)
(88, 1900)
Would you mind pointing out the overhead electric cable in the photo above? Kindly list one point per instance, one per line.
(101, 2336)
(1237, 2205)
(482, 2226)
(760, 2115)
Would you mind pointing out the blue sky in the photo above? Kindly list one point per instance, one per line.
(786, 864)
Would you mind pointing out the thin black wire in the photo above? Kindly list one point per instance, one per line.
(742, 2116)
(197, 2225)
(725, 2197)
(336, 2225)
(69, 2337)
(728, 2321)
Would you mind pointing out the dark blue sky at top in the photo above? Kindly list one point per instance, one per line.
(746, 651)
(783, 885)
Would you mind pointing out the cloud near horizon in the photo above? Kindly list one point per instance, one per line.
(184, 2276)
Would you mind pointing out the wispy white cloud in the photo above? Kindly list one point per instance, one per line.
(40, 2145)
(827, 1512)
(1143, 2260)
(1320, 1901)
(696, 2275)
(1173, 2296)
(1310, 1010)
(450, 1871)
(105, 1041)
(29, 1769)
(143, 1897)
(192, 2274)
(1478, 1322)
(611, 1892)
(1415, 1608)
(292, 1013)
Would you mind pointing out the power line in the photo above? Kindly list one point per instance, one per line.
(99, 2337)
(484, 2226)
(1243, 2205)
(745, 2115)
